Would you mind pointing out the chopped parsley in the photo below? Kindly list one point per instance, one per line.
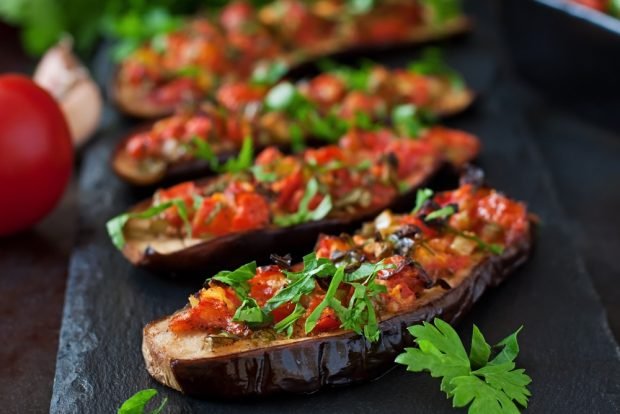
(304, 214)
(115, 225)
(136, 404)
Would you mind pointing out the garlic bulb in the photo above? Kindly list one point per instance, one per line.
(62, 74)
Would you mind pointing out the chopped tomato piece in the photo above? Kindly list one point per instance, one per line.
(213, 218)
(414, 87)
(458, 147)
(326, 89)
(324, 155)
(328, 245)
(328, 321)
(235, 96)
(183, 192)
(213, 309)
(199, 126)
(268, 156)
(251, 212)
(236, 15)
(357, 102)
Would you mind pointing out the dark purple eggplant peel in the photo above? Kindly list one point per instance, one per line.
(210, 367)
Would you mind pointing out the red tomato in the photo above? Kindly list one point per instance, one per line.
(251, 212)
(184, 192)
(213, 217)
(326, 89)
(36, 153)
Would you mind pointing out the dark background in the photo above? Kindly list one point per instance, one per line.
(585, 171)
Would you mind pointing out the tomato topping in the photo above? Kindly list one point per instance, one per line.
(199, 126)
(457, 146)
(236, 15)
(268, 156)
(411, 156)
(328, 245)
(414, 87)
(251, 212)
(373, 141)
(234, 96)
(212, 310)
(290, 190)
(324, 155)
(175, 91)
(265, 284)
(213, 218)
(326, 89)
(357, 102)
(183, 192)
(328, 321)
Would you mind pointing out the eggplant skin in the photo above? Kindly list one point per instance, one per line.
(328, 361)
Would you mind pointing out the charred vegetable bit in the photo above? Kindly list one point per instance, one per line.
(362, 173)
(289, 115)
(491, 386)
(355, 282)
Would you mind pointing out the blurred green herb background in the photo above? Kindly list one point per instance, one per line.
(43, 22)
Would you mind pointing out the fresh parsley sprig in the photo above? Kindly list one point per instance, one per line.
(433, 63)
(242, 162)
(421, 197)
(304, 214)
(136, 404)
(490, 386)
(115, 225)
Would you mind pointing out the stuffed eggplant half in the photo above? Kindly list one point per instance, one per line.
(190, 63)
(316, 111)
(340, 316)
(283, 201)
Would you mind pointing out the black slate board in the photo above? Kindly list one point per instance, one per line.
(566, 344)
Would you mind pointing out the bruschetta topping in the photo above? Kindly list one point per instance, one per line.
(354, 282)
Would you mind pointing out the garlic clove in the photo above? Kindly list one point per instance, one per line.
(62, 74)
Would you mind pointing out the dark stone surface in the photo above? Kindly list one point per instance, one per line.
(33, 272)
(567, 347)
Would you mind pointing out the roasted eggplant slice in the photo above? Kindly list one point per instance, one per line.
(283, 202)
(188, 65)
(272, 329)
(316, 111)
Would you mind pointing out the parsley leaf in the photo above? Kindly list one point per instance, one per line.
(492, 388)
(432, 63)
(303, 214)
(115, 225)
(201, 149)
(269, 73)
(406, 120)
(238, 279)
(263, 176)
(136, 404)
(421, 197)
(303, 282)
(490, 247)
(250, 312)
(287, 323)
(442, 10)
(313, 318)
(442, 213)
